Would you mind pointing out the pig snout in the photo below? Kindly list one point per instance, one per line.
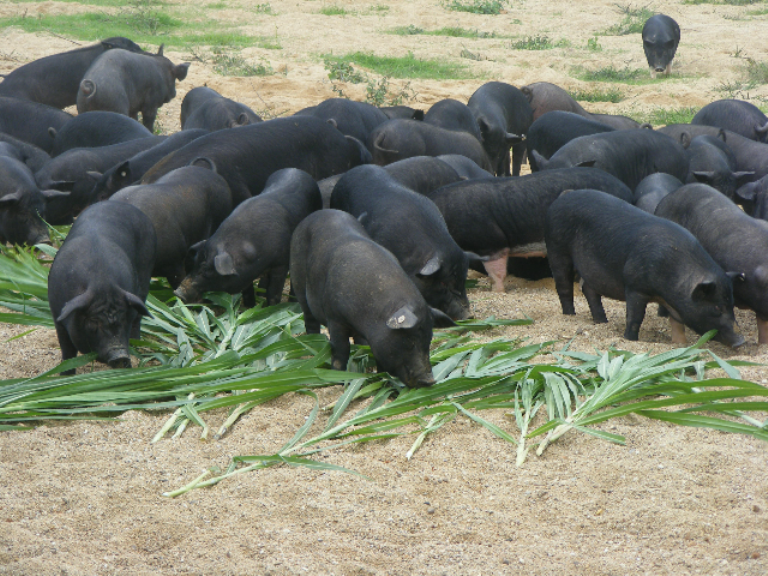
(118, 358)
(659, 68)
(421, 381)
(187, 292)
(730, 336)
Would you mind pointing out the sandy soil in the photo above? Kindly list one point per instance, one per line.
(86, 498)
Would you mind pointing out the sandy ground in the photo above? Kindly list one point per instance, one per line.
(86, 498)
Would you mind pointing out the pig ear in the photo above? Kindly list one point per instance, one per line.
(441, 319)
(52, 132)
(63, 185)
(332, 122)
(705, 176)
(94, 175)
(685, 139)
(122, 171)
(586, 164)
(243, 119)
(224, 264)
(432, 266)
(48, 194)
(513, 139)
(703, 291)
(180, 71)
(136, 303)
(722, 134)
(77, 303)
(541, 162)
(761, 129)
(403, 318)
(10, 200)
(736, 276)
(160, 50)
(472, 257)
(747, 192)
(742, 176)
(418, 115)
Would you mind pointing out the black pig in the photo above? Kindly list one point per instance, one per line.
(99, 282)
(661, 35)
(410, 226)
(254, 241)
(624, 253)
(205, 108)
(185, 206)
(355, 287)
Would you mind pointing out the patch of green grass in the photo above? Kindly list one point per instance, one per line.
(624, 75)
(379, 8)
(593, 45)
(475, 6)
(265, 8)
(217, 6)
(667, 116)
(333, 11)
(404, 66)
(94, 26)
(613, 95)
(236, 65)
(632, 23)
(378, 92)
(539, 43)
(452, 31)
(757, 72)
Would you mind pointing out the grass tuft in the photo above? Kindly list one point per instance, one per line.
(667, 116)
(632, 23)
(613, 95)
(333, 11)
(611, 74)
(539, 43)
(492, 7)
(404, 66)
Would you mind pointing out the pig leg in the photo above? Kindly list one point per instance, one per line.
(562, 272)
(249, 296)
(677, 331)
(497, 271)
(275, 281)
(762, 331)
(339, 345)
(68, 349)
(518, 154)
(148, 118)
(595, 302)
(636, 305)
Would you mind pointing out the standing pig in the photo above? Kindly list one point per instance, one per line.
(254, 241)
(422, 174)
(30, 121)
(626, 254)
(129, 83)
(499, 218)
(355, 119)
(555, 129)
(736, 241)
(630, 155)
(99, 281)
(248, 156)
(399, 139)
(661, 35)
(453, 115)
(504, 116)
(738, 116)
(710, 162)
(22, 204)
(54, 80)
(355, 287)
(410, 226)
(205, 108)
(185, 206)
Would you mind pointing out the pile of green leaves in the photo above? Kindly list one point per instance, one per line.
(197, 358)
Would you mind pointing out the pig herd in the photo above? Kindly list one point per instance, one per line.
(376, 213)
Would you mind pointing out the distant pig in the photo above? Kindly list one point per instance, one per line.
(736, 241)
(355, 287)
(623, 253)
(99, 282)
(253, 242)
(129, 83)
(661, 35)
(185, 206)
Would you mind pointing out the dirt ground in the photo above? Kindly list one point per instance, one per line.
(86, 498)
